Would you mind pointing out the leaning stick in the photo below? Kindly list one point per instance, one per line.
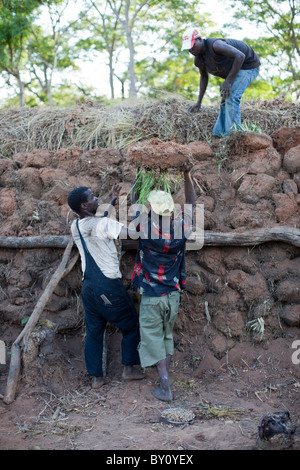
(13, 374)
(15, 363)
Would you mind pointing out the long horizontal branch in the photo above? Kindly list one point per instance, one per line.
(254, 237)
(250, 237)
(55, 241)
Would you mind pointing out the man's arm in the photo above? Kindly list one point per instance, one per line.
(202, 84)
(190, 197)
(127, 232)
(220, 47)
(115, 193)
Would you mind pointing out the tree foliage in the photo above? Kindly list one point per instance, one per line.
(140, 42)
(16, 17)
(28, 53)
(49, 51)
(280, 22)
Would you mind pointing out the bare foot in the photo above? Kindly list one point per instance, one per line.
(98, 382)
(130, 373)
(163, 395)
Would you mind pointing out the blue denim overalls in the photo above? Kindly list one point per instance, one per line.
(106, 300)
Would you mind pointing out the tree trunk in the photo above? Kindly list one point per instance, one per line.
(132, 87)
(21, 92)
(57, 241)
(128, 31)
(253, 237)
(49, 93)
(111, 76)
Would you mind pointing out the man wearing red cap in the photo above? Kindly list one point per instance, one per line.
(230, 59)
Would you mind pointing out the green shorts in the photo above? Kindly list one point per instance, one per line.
(157, 319)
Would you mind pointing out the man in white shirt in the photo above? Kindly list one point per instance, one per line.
(104, 296)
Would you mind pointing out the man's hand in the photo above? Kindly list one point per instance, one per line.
(187, 167)
(225, 89)
(195, 108)
(190, 197)
(115, 193)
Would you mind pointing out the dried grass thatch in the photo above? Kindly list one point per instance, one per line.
(119, 125)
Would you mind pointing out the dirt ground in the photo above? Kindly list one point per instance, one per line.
(58, 410)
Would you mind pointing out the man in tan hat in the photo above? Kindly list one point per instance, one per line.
(230, 59)
(159, 277)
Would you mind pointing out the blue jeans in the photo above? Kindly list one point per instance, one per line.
(230, 113)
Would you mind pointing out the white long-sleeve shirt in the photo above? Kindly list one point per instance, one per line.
(99, 236)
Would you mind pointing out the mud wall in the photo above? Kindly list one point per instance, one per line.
(248, 181)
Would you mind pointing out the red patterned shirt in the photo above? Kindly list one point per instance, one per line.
(160, 262)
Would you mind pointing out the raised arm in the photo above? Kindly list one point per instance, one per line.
(115, 193)
(190, 197)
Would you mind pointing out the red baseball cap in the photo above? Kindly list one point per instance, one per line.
(188, 38)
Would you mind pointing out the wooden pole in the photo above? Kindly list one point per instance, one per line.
(249, 237)
(59, 241)
(253, 237)
(15, 363)
(13, 373)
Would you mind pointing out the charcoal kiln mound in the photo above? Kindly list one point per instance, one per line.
(239, 317)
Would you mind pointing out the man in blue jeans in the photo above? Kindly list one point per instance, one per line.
(230, 59)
